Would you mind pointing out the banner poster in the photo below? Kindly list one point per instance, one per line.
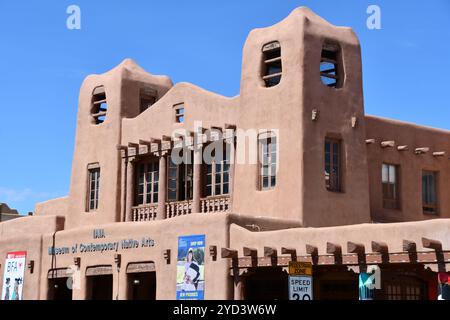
(13, 275)
(191, 267)
(366, 286)
(444, 286)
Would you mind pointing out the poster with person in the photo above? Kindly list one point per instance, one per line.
(13, 275)
(191, 267)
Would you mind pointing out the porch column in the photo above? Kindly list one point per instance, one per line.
(162, 186)
(229, 143)
(197, 179)
(130, 189)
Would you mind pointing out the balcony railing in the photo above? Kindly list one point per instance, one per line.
(215, 204)
(178, 208)
(146, 212)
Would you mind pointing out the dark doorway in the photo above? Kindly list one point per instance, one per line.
(100, 287)
(266, 283)
(334, 283)
(142, 286)
(58, 289)
(406, 282)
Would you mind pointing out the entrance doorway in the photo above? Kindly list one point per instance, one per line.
(58, 289)
(99, 287)
(141, 286)
(266, 283)
(335, 283)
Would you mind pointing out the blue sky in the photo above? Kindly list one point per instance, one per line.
(42, 65)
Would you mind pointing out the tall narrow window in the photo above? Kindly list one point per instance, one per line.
(429, 192)
(179, 113)
(272, 66)
(268, 156)
(180, 179)
(147, 183)
(218, 174)
(147, 98)
(94, 184)
(99, 107)
(389, 177)
(333, 165)
(329, 66)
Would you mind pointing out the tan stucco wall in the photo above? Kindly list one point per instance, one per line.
(411, 166)
(393, 234)
(214, 227)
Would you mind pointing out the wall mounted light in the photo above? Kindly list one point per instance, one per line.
(31, 266)
(213, 252)
(77, 261)
(117, 259)
(166, 255)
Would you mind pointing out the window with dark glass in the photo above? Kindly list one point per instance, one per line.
(329, 66)
(147, 98)
(389, 177)
(268, 152)
(333, 165)
(94, 184)
(429, 192)
(147, 185)
(99, 106)
(272, 66)
(180, 179)
(179, 113)
(218, 173)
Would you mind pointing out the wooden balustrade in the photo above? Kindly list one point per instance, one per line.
(146, 212)
(215, 204)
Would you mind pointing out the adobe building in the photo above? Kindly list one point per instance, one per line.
(330, 185)
(6, 213)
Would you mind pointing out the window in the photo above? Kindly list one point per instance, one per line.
(330, 66)
(268, 156)
(180, 179)
(99, 106)
(179, 113)
(147, 183)
(94, 183)
(333, 165)
(218, 174)
(272, 67)
(389, 177)
(429, 192)
(147, 99)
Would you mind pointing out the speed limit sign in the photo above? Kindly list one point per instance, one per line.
(300, 281)
(300, 288)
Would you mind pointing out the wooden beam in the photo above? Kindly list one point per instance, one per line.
(380, 247)
(145, 142)
(270, 252)
(312, 250)
(229, 253)
(291, 251)
(421, 150)
(370, 141)
(409, 246)
(250, 252)
(439, 154)
(334, 249)
(432, 244)
(386, 144)
(353, 247)
(402, 148)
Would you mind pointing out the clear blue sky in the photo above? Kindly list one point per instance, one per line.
(42, 65)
